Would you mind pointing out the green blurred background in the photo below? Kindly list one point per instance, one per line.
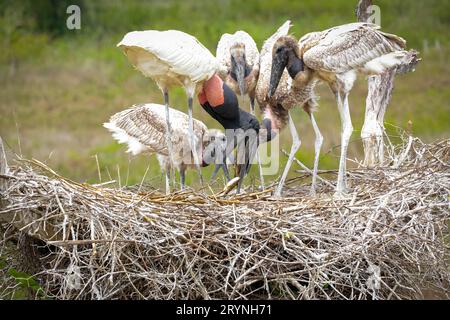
(57, 86)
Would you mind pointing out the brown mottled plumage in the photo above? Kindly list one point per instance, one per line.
(348, 47)
(143, 129)
(238, 57)
(287, 96)
(335, 56)
(146, 124)
(242, 43)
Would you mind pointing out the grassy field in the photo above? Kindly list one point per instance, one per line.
(57, 86)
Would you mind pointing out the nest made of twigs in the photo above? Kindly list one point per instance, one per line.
(387, 240)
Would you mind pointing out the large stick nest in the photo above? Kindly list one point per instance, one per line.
(387, 240)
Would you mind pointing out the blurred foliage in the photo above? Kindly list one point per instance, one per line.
(27, 26)
(415, 20)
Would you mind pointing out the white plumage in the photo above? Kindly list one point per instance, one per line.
(142, 128)
(382, 64)
(171, 58)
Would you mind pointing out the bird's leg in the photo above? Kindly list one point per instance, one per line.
(346, 133)
(317, 146)
(242, 156)
(240, 162)
(215, 172)
(252, 105)
(246, 154)
(296, 142)
(241, 180)
(217, 167)
(222, 165)
(168, 181)
(169, 135)
(242, 167)
(225, 171)
(183, 178)
(261, 176)
(192, 140)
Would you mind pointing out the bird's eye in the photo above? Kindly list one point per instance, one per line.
(279, 49)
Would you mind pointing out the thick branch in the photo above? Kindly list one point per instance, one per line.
(379, 96)
(362, 12)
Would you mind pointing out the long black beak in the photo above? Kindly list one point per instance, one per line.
(223, 166)
(279, 62)
(266, 134)
(221, 155)
(238, 70)
(250, 149)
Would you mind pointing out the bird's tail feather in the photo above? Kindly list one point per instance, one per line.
(134, 146)
(384, 63)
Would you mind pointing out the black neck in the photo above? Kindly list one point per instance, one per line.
(267, 124)
(295, 65)
(246, 71)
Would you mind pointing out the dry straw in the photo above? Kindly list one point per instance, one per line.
(387, 240)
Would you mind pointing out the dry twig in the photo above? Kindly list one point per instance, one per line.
(386, 241)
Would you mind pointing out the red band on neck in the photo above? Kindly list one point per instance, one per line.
(213, 89)
(202, 97)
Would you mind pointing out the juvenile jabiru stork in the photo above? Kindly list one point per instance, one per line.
(238, 57)
(287, 96)
(143, 128)
(171, 58)
(335, 56)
